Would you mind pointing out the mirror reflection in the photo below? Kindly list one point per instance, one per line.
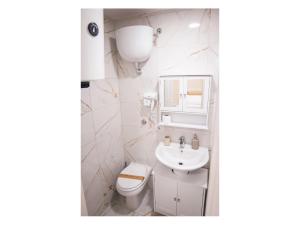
(171, 93)
(194, 92)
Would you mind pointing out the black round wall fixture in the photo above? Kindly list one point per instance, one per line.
(93, 29)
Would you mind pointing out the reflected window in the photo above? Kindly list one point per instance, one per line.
(171, 93)
(194, 94)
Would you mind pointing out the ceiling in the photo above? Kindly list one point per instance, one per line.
(120, 14)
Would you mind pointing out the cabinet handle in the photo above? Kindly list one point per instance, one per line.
(178, 199)
(175, 199)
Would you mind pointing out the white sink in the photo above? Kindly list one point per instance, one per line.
(186, 159)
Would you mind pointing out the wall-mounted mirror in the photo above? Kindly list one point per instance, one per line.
(194, 92)
(184, 93)
(171, 93)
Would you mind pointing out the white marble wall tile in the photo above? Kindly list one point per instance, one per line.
(170, 24)
(170, 58)
(140, 143)
(149, 83)
(142, 151)
(214, 46)
(104, 159)
(86, 149)
(214, 31)
(103, 207)
(131, 113)
(192, 36)
(110, 50)
(108, 33)
(87, 129)
(89, 167)
(115, 158)
(110, 150)
(94, 194)
(103, 143)
(131, 89)
(85, 101)
(191, 64)
(103, 116)
(104, 92)
(136, 133)
(111, 68)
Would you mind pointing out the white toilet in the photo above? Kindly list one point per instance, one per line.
(132, 188)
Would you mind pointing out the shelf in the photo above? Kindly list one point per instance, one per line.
(183, 125)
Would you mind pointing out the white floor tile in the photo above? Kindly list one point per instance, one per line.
(118, 207)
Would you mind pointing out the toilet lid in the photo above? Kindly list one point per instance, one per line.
(135, 169)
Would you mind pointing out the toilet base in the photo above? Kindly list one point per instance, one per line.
(133, 202)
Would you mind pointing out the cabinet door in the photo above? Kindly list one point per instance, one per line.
(165, 192)
(190, 200)
(171, 91)
(196, 94)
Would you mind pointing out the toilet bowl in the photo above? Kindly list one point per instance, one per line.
(132, 188)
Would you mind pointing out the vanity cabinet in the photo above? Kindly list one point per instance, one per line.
(190, 199)
(165, 195)
(179, 195)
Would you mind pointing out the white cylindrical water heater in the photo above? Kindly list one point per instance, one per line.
(92, 44)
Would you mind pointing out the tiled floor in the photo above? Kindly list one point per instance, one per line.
(117, 206)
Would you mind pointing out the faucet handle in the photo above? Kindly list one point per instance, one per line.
(182, 138)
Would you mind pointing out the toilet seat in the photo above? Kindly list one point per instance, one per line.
(127, 184)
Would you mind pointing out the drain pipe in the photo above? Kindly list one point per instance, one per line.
(138, 68)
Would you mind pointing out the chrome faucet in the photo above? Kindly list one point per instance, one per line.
(182, 141)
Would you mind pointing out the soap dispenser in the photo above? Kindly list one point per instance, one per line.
(195, 142)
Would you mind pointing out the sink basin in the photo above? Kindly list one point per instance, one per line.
(186, 159)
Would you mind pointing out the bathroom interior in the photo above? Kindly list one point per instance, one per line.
(149, 112)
